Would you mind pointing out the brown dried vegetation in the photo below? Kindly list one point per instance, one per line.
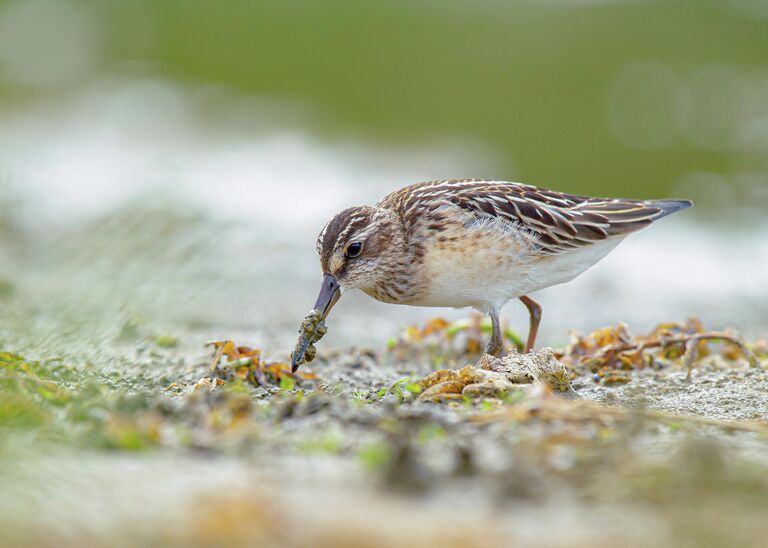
(246, 364)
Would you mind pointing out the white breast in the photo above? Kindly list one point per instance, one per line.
(484, 271)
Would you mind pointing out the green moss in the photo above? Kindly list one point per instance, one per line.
(376, 455)
(166, 341)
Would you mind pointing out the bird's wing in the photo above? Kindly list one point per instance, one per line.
(557, 222)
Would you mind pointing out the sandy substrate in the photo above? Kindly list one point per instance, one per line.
(342, 464)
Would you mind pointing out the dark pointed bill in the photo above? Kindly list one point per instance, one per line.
(313, 327)
(330, 292)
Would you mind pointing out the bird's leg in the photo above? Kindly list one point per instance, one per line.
(496, 344)
(534, 309)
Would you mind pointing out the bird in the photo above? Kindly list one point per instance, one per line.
(476, 243)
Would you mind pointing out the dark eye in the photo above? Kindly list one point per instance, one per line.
(354, 249)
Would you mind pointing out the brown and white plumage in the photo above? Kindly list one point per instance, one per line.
(559, 222)
(475, 242)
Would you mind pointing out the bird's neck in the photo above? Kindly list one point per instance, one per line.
(400, 281)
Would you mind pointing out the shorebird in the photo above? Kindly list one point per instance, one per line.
(473, 243)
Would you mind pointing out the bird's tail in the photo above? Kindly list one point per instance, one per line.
(668, 207)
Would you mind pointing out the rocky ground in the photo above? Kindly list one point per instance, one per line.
(600, 443)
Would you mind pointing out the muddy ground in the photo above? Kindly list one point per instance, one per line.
(165, 449)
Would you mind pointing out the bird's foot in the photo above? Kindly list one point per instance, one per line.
(494, 348)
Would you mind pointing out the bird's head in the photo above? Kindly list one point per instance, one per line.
(359, 248)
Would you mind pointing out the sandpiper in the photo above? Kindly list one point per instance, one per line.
(473, 243)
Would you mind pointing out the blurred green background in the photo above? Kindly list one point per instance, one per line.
(637, 98)
(166, 165)
(175, 159)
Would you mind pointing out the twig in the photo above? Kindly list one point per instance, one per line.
(691, 353)
(665, 342)
(217, 358)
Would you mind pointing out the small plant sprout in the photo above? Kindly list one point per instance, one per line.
(399, 389)
(287, 383)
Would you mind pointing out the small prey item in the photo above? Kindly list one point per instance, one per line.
(312, 330)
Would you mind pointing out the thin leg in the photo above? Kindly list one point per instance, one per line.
(496, 344)
(534, 309)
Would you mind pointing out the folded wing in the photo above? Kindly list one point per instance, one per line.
(557, 222)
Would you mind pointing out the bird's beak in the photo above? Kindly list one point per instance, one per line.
(330, 292)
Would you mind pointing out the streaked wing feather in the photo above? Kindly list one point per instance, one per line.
(558, 222)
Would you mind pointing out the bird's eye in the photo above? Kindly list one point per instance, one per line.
(354, 249)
